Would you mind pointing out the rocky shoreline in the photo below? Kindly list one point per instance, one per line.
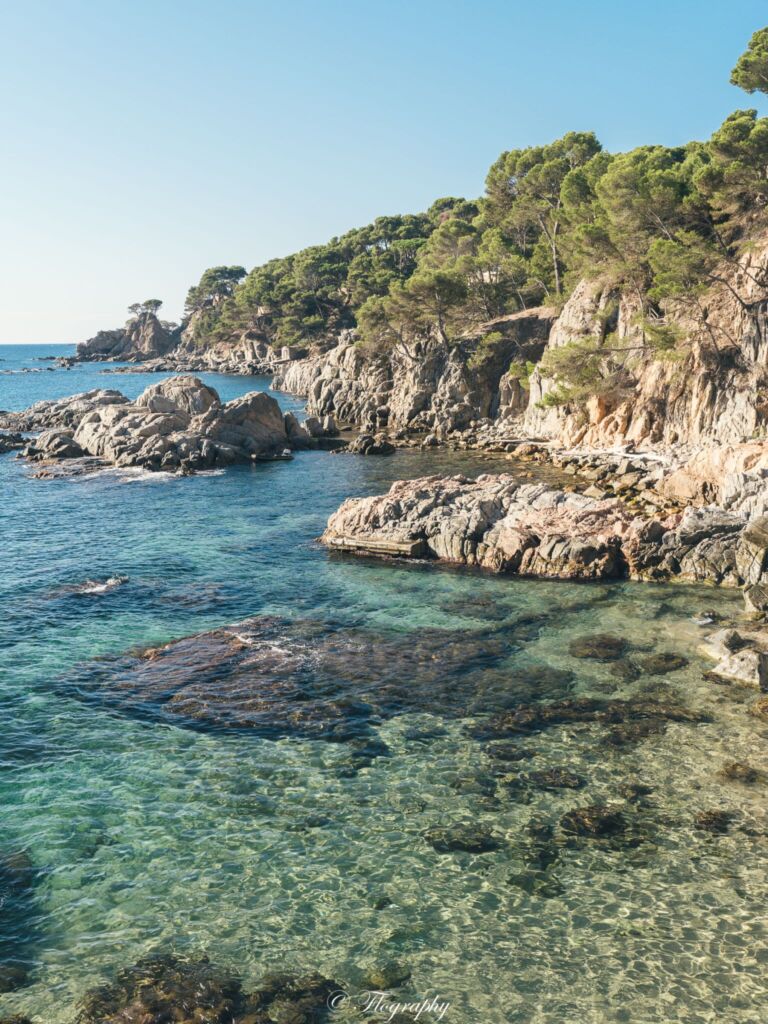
(177, 425)
(497, 523)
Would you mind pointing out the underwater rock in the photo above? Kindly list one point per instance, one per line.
(625, 670)
(714, 821)
(537, 883)
(660, 664)
(600, 647)
(531, 718)
(760, 709)
(281, 677)
(289, 999)
(509, 752)
(16, 1019)
(389, 975)
(17, 880)
(630, 733)
(737, 771)
(595, 822)
(634, 791)
(541, 850)
(161, 988)
(550, 778)
(465, 838)
(164, 987)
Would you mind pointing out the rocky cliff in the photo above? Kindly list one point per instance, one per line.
(711, 392)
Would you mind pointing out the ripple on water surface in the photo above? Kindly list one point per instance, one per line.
(289, 850)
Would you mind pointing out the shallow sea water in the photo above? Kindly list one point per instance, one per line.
(266, 853)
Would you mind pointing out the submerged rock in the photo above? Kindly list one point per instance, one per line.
(465, 838)
(634, 791)
(601, 647)
(389, 975)
(161, 988)
(293, 677)
(661, 664)
(530, 718)
(737, 771)
(550, 778)
(714, 821)
(509, 752)
(17, 880)
(596, 822)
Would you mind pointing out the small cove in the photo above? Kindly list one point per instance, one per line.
(265, 852)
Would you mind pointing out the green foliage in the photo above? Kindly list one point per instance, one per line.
(659, 223)
(580, 370)
(487, 351)
(751, 71)
(138, 309)
(735, 179)
(521, 371)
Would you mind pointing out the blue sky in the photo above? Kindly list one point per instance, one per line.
(142, 142)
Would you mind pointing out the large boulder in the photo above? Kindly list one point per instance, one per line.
(494, 522)
(253, 423)
(177, 423)
(183, 393)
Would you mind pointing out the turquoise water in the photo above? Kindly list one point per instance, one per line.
(266, 852)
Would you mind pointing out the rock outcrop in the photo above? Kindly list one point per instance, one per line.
(506, 526)
(424, 386)
(144, 337)
(155, 347)
(179, 423)
(710, 396)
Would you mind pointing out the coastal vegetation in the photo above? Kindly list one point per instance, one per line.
(661, 224)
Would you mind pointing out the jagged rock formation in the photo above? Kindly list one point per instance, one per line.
(179, 423)
(710, 395)
(424, 386)
(160, 348)
(144, 337)
(530, 529)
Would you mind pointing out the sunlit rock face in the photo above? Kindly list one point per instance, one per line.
(179, 423)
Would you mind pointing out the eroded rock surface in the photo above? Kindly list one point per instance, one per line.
(179, 423)
(532, 529)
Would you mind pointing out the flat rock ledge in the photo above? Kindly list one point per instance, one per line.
(500, 524)
(179, 424)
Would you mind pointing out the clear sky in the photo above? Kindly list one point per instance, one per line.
(144, 140)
